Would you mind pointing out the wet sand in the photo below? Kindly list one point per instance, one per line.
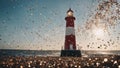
(112, 61)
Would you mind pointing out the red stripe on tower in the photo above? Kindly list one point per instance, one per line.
(70, 41)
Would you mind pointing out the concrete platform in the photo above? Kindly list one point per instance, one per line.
(70, 53)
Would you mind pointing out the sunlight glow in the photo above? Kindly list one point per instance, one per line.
(98, 32)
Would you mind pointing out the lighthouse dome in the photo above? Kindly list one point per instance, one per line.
(70, 12)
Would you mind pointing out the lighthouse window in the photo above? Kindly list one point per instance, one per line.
(71, 20)
(71, 36)
(69, 40)
(71, 23)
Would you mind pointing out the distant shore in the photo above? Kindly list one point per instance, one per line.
(15, 52)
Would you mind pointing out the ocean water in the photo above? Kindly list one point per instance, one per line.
(85, 53)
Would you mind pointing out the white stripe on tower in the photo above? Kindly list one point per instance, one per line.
(70, 30)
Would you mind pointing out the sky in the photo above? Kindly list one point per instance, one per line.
(40, 24)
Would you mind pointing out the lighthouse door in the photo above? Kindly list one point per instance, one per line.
(71, 47)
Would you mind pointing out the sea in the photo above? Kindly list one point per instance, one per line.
(56, 53)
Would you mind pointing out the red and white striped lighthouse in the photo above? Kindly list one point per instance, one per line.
(70, 40)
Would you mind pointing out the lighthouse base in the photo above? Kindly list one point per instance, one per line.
(70, 53)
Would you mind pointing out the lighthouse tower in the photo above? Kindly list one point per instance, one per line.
(70, 40)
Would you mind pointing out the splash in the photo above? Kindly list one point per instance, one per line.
(106, 16)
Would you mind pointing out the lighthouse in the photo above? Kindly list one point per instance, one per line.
(70, 41)
(70, 38)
